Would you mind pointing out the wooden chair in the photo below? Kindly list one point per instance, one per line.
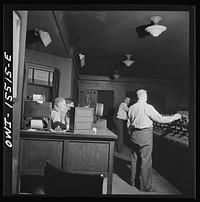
(60, 183)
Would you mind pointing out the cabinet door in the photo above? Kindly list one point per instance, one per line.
(87, 97)
(34, 154)
(81, 99)
(86, 156)
(93, 98)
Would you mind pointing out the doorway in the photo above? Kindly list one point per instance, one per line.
(106, 97)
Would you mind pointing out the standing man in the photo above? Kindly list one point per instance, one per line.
(141, 117)
(121, 123)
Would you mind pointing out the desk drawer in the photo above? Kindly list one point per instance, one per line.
(84, 112)
(84, 119)
(83, 126)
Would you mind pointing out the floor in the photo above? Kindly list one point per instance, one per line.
(121, 173)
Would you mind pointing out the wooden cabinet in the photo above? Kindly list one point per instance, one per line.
(39, 80)
(76, 153)
(174, 162)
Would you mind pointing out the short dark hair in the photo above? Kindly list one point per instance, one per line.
(126, 98)
(69, 100)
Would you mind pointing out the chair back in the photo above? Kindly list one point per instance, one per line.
(60, 183)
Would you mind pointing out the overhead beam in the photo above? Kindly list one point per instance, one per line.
(65, 39)
(58, 24)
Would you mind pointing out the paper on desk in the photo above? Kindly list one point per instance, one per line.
(31, 129)
(39, 98)
(37, 124)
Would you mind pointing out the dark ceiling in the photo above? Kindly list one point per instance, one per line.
(105, 37)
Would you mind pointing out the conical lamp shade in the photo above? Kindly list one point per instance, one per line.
(128, 62)
(116, 75)
(155, 30)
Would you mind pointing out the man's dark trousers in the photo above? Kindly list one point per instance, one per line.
(121, 125)
(141, 157)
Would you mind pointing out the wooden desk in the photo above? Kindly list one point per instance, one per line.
(77, 153)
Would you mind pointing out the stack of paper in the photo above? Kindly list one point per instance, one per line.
(38, 98)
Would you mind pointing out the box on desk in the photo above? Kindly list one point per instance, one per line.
(84, 118)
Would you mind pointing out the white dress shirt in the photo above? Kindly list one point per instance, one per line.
(58, 116)
(122, 111)
(142, 115)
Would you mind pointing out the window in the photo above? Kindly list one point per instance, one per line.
(40, 76)
(43, 80)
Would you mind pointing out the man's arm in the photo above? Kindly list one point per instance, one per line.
(124, 107)
(56, 124)
(156, 116)
(55, 120)
(131, 114)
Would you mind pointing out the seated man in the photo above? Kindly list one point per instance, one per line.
(69, 103)
(58, 114)
(69, 106)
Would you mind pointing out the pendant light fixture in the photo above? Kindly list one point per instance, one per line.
(128, 62)
(116, 75)
(155, 30)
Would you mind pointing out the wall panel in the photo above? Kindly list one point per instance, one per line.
(171, 89)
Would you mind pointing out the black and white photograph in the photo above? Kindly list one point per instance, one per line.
(99, 100)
